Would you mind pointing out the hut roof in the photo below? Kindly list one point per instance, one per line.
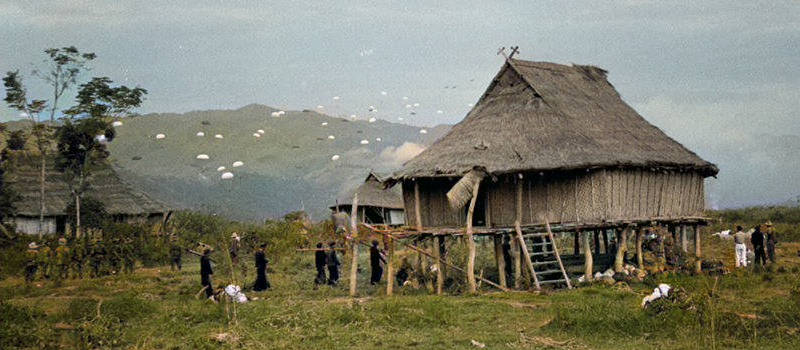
(22, 175)
(371, 193)
(541, 116)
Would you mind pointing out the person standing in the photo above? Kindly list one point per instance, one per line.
(757, 239)
(44, 261)
(320, 263)
(376, 259)
(332, 261)
(772, 240)
(98, 254)
(739, 247)
(78, 257)
(261, 269)
(206, 272)
(32, 264)
(62, 258)
(175, 254)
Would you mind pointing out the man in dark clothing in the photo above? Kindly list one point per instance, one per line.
(261, 269)
(98, 254)
(320, 263)
(206, 272)
(333, 265)
(772, 240)
(375, 260)
(175, 255)
(757, 239)
(507, 258)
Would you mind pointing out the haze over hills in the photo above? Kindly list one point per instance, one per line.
(289, 167)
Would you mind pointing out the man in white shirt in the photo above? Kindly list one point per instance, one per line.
(739, 239)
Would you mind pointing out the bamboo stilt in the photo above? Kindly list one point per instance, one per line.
(684, 239)
(499, 260)
(588, 264)
(354, 237)
(389, 267)
(437, 256)
(515, 255)
(621, 248)
(698, 268)
(639, 258)
(470, 242)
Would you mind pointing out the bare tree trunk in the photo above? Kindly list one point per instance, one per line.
(470, 241)
(41, 190)
(354, 242)
(77, 215)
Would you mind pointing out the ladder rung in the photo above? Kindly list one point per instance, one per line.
(540, 253)
(539, 244)
(547, 272)
(552, 281)
(539, 263)
(541, 234)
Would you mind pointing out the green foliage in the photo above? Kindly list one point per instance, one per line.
(17, 325)
(93, 213)
(16, 140)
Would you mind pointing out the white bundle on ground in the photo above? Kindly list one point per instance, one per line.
(116, 123)
(723, 234)
(101, 139)
(235, 293)
(661, 291)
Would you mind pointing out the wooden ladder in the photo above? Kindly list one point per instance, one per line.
(545, 258)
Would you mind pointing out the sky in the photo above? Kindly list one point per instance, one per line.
(721, 77)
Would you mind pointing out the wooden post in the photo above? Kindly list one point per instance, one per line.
(589, 260)
(662, 251)
(389, 266)
(518, 228)
(596, 242)
(437, 241)
(515, 255)
(639, 258)
(698, 267)
(498, 258)
(621, 247)
(417, 214)
(576, 244)
(605, 241)
(684, 239)
(470, 242)
(354, 241)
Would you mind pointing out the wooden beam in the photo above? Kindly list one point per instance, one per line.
(470, 242)
(517, 262)
(698, 253)
(389, 245)
(517, 227)
(437, 256)
(417, 206)
(684, 239)
(499, 261)
(639, 258)
(558, 256)
(354, 238)
(588, 265)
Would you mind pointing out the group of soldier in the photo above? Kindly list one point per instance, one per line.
(62, 259)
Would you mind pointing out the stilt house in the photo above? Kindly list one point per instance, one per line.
(376, 205)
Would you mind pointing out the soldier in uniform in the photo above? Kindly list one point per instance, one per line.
(44, 260)
(62, 258)
(32, 262)
(333, 263)
(78, 257)
(97, 255)
(115, 256)
(128, 259)
(174, 253)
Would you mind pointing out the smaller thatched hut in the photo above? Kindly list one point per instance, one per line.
(375, 204)
(120, 200)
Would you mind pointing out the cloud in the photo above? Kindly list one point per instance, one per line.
(396, 156)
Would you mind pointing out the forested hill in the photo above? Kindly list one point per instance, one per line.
(289, 167)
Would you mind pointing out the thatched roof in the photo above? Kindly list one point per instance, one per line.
(541, 116)
(22, 175)
(371, 193)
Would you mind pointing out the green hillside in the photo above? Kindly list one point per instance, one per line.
(288, 168)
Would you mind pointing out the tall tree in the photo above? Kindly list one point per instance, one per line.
(60, 70)
(87, 129)
(17, 98)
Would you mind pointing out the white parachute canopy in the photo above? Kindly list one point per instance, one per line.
(256, 134)
(400, 118)
(221, 168)
(160, 136)
(378, 139)
(423, 131)
(408, 106)
(384, 93)
(202, 156)
(226, 175)
(320, 107)
(405, 98)
(237, 163)
(331, 137)
(324, 123)
(335, 157)
(218, 136)
(372, 120)
(275, 114)
(261, 131)
(416, 105)
(335, 98)
(352, 116)
(440, 112)
(116, 123)
(364, 142)
(200, 133)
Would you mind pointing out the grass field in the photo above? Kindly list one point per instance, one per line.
(156, 309)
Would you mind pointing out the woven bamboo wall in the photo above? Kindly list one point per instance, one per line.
(570, 197)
